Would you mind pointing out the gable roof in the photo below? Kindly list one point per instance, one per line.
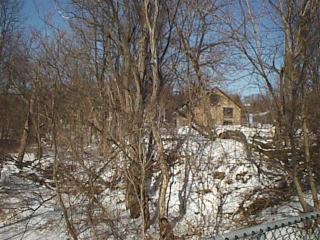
(216, 89)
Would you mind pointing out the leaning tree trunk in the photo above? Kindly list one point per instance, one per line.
(28, 123)
(26, 131)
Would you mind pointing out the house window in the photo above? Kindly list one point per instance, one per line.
(228, 112)
(214, 99)
(227, 122)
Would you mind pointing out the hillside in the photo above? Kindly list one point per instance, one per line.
(213, 186)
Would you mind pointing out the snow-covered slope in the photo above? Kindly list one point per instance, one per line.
(208, 184)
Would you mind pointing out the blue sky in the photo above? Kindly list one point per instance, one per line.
(35, 11)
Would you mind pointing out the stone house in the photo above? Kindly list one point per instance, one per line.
(215, 107)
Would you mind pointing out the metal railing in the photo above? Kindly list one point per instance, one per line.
(303, 227)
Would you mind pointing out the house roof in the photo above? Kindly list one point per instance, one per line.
(216, 89)
(183, 106)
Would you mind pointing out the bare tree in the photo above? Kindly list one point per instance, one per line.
(287, 80)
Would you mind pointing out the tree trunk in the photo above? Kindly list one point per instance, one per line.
(25, 134)
(165, 173)
(151, 20)
(28, 123)
(306, 141)
(299, 190)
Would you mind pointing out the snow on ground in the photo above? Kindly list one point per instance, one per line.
(261, 133)
(28, 210)
(215, 176)
(286, 209)
(208, 182)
